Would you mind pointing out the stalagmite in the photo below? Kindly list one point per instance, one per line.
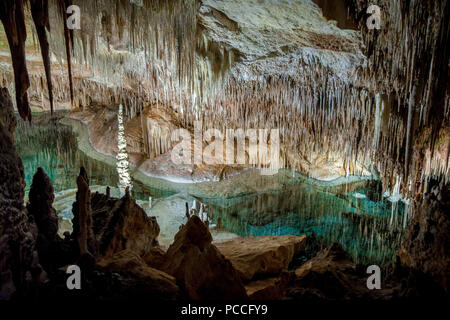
(83, 221)
(123, 165)
(68, 38)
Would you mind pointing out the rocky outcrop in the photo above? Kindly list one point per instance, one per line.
(330, 275)
(269, 289)
(120, 224)
(18, 259)
(40, 205)
(203, 272)
(53, 251)
(155, 258)
(7, 118)
(425, 250)
(82, 217)
(137, 278)
(261, 256)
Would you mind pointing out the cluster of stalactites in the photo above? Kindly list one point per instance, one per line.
(168, 61)
(408, 61)
(136, 45)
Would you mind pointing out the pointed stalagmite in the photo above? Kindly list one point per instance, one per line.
(82, 220)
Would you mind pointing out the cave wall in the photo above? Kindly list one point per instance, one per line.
(18, 232)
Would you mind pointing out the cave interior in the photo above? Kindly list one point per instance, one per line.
(224, 150)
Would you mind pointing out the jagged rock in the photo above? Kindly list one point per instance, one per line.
(120, 224)
(17, 231)
(201, 269)
(257, 256)
(138, 278)
(330, 275)
(425, 249)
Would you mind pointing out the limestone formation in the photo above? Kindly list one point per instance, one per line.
(261, 256)
(138, 278)
(332, 276)
(120, 224)
(18, 260)
(40, 205)
(425, 251)
(269, 289)
(203, 272)
(82, 220)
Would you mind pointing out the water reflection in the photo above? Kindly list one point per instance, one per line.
(48, 144)
(361, 225)
(367, 225)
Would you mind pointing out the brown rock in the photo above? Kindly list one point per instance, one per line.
(135, 275)
(82, 216)
(268, 289)
(200, 267)
(329, 275)
(155, 258)
(257, 256)
(120, 224)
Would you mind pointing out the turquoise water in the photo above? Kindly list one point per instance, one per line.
(369, 228)
(53, 147)
(362, 226)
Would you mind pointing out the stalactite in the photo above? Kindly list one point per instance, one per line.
(39, 12)
(171, 64)
(13, 19)
(68, 38)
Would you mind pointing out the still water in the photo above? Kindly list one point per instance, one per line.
(367, 225)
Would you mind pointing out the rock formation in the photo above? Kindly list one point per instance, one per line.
(120, 224)
(18, 260)
(54, 252)
(331, 275)
(202, 271)
(41, 199)
(138, 279)
(261, 256)
(425, 250)
(82, 220)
